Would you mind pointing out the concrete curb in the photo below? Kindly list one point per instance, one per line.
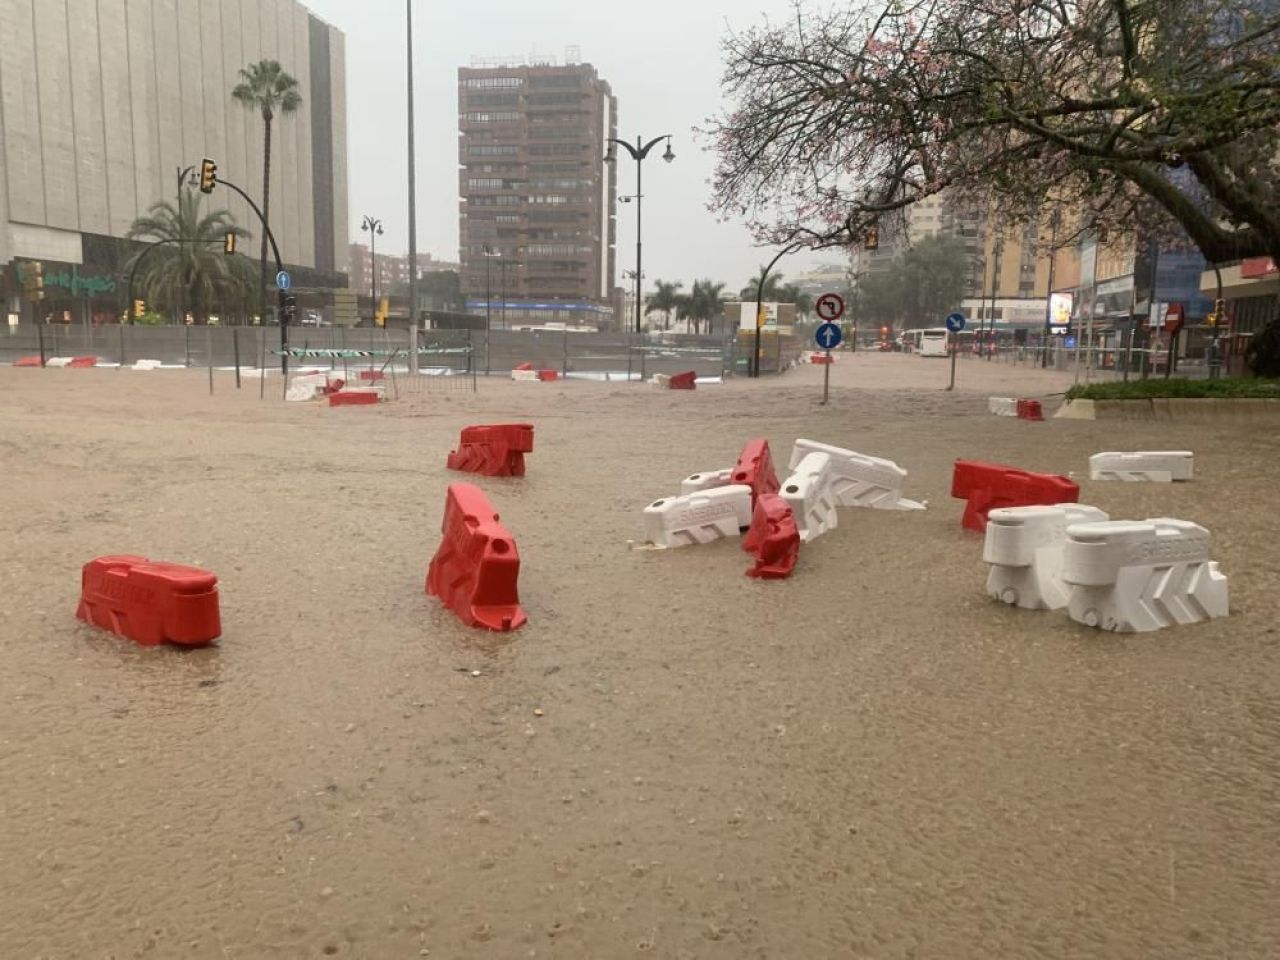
(1182, 409)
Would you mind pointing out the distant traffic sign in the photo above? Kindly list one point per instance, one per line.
(955, 322)
(830, 306)
(828, 336)
(283, 281)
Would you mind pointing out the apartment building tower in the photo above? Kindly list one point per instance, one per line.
(536, 222)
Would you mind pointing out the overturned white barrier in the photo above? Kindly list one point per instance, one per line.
(1024, 546)
(706, 480)
(524, 374)
(1158, 466)
(307, 387)
(59, 361)
(701, 517)
(146, 365)
(859, 480)
(1128, 575)
(1002, 406)
(810, 492)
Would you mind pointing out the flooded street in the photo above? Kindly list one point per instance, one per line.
(870, 759)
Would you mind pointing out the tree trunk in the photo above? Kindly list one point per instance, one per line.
(266, 216)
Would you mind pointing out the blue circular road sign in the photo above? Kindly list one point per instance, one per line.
(955, 322)
(828, 336)
(283, 281)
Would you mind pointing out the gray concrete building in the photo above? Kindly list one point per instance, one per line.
(102, 102)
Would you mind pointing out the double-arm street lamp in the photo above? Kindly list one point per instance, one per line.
(638, 153)
(373, 227)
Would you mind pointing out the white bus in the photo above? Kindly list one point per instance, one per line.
(932, 342)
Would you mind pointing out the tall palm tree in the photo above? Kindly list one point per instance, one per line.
(195, 270)
(664, 298)
(773, 287)
(265, 86)
(707, 303)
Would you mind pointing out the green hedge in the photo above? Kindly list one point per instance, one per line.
(1159, 389)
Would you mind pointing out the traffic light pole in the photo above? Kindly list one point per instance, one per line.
(283, 299)
(753, 370)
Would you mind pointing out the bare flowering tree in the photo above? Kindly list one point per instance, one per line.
(1122, 112)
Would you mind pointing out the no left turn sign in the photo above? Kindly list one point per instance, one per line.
(830, 307)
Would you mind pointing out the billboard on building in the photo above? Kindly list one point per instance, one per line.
(1060, 305)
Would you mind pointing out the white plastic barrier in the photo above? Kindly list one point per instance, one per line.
(1129, 575)
(146, 365)
(660, 380)
(706, 480)
(1024, 546)
(701, 517)
(810, 491)
(1159, 466)
(1002, 406)
(58, 361)
(860, 480)
(524, 374)
(306, 387)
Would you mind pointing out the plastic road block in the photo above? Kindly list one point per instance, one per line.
(773, 538)
(493, 450)
(150, 603)
(523, 366)
(27, 362)
(548, 375)
(1024, 548)
(1029, 410)
(810, 490)
(1002, 406)
(1130, 576)
(706, 480)
(353, 398)
(80, 363)
(683, 381)
(1158, 466)
(755, 469)
(986, 486)
(860, 480)
(701, 517)
(476, 568)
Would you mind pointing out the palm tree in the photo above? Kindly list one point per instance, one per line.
(265, 86)
(790, 293)
(664, 298)
(196, 270)
(773, 288)
(707, 303)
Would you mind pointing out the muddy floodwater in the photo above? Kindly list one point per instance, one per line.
(869, 760)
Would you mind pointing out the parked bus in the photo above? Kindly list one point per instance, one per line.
(932, 342)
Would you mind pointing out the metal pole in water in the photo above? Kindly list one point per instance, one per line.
(826, 379)
(208, 346)
(235, 349)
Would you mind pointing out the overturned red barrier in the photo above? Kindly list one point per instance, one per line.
(819, 358)
(773, 538)
(755, 469)
(683, 381)
(547, 375)
(475, 569)
(332, 386)
(150, 603)
(493, 450)
(27, 362)
(1029, 410)
(372, 375)
(523, 366)
(352, 398)
(81, 363)
(986, 486)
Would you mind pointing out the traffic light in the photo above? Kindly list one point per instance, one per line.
(229, 243)
(208, 175)
(289, 305)
(37, 280)
(872, 238)
(139, 308)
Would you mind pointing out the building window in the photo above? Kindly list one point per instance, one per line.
(492, 83)
(486, 183)
(498, 116)
(556, 80)
(492, 150)
(494, 100)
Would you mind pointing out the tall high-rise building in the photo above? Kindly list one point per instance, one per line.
(536, 225)
(104, 104)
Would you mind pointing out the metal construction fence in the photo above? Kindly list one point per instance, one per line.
(604, 356)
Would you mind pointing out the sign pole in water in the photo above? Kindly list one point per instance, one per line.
(829, 308)
(955, 323)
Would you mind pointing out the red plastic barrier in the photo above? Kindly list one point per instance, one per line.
(493, 450)
(773, 538)
(819, 358)
(755, 469)
(683, 381)
(370, 375)
(546, 375)
(474, 572)
(1029, 410)
(332, 386)
(27, 362)
(987, 486)
(523, 366)
(352, 398)
(150, 603)
(81, 362)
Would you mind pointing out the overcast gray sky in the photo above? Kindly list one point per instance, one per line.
(662, 58)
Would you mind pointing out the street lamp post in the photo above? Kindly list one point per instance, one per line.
(373, 227)
(638, 153)
(489, 255)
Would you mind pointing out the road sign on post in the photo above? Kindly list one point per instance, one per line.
(283, 280)
(829, 307)
(955, 323)
(828, 337)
